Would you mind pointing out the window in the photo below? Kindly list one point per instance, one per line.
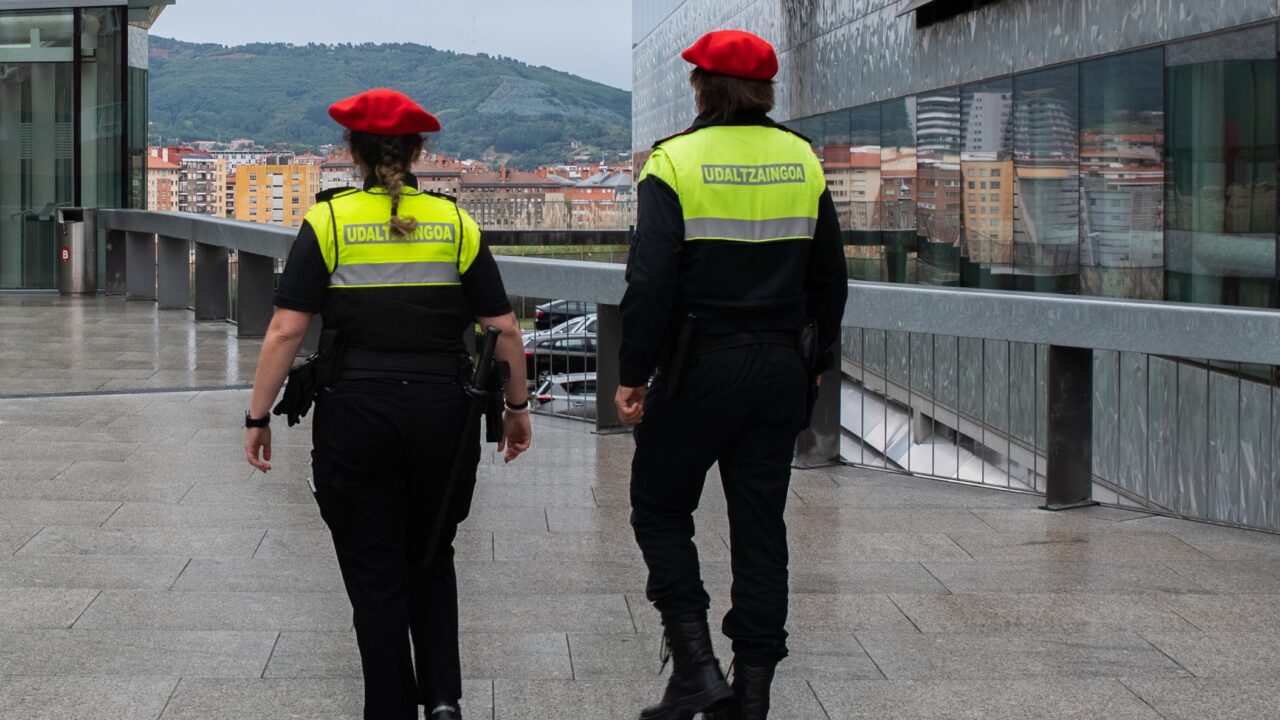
(995, 185)
(1220, 190)
(1046, 144)
(983, 185)
(995, 172)
(973, 185)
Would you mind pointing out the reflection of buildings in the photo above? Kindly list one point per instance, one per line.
(853, 176)
(898, 188)
(1122, 214)
(988, 203)
(1046, 140)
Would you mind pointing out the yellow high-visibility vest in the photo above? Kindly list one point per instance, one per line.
(359, 250)
(747, 184)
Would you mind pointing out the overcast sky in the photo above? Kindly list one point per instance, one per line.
(591, 38)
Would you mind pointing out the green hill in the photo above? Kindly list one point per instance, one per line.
(280, 94)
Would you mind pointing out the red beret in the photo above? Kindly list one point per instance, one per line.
(383, 112)
(736, 53)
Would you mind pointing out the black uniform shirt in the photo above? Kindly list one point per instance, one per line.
(730, 286)
(304, 286)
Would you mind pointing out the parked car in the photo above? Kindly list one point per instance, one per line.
(584, 324)
(555, 312)
(548, 354)
(572, 394)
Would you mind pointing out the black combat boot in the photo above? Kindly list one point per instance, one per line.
(696, 681)
(751, 690)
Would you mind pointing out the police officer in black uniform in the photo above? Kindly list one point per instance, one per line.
(401, 276)
(736, 263)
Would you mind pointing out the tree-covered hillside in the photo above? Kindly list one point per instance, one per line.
(281, 94)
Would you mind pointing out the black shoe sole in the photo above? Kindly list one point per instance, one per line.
(710, 699)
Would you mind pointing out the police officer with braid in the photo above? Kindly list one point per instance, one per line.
(399, 276)
(736, 288)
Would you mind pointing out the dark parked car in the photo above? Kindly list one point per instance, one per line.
(557, 311)
(556, 354)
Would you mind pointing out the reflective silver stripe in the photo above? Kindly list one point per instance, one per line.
(749, 230)
(413, 273)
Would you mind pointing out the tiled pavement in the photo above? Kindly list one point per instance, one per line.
(146, 572)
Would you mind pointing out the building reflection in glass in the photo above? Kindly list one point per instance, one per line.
(986, 156)
(1046, 221)
(1221, 155)
(898, 189)
(939, 195)
(1122, 176)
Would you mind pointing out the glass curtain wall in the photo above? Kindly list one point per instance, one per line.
(1122, 176)
(37, 142)
(1046, 159)
(939, 195)
(986, 156)
(1221, 185)
(1089, 178)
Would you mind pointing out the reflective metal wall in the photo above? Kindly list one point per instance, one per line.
(1119, 148)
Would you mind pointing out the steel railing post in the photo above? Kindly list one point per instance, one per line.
(255, 286)
(140, 266)
(1069, 470)
(173, 257)
(608, 343)
(212, 295)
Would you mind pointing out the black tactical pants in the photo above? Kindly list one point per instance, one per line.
(743, 408)
(382, 454)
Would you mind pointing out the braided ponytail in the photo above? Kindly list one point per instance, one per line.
(390, 158)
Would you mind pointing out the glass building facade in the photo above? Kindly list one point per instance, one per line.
(73, 87)
(1113, 148)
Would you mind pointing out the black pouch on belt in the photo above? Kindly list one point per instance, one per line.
(306, 379)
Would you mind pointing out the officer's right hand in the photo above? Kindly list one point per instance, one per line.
(517, 434)
(630, 402)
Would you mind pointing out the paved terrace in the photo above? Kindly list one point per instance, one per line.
(146, 572)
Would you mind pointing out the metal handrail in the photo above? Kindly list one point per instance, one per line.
(1230, 334)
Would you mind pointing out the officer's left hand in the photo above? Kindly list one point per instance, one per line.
(258, 440)
(630, 402)
(517, 435)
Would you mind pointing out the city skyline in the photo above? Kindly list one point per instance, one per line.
(588, 39)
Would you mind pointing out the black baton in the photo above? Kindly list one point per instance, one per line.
(477, 395)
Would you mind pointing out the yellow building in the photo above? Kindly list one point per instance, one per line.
(276, 194)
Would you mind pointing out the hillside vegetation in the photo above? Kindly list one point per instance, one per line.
(279, 94)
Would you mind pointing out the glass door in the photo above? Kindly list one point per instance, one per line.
(37, 143)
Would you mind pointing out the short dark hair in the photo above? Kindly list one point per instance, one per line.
(722, 97)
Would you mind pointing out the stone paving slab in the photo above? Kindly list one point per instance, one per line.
(1223, 655)
(164, 610)
(1209, 699)
(145, 542)
(1020, 698)
(135, 652)
(43, 607)
(913, 656)
(84, 698)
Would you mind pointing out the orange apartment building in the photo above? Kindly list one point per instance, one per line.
(276, 194)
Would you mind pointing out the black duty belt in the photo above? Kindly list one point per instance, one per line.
(721, 341)
(361, 364)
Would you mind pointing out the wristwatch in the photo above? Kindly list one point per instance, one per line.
(261, 422)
